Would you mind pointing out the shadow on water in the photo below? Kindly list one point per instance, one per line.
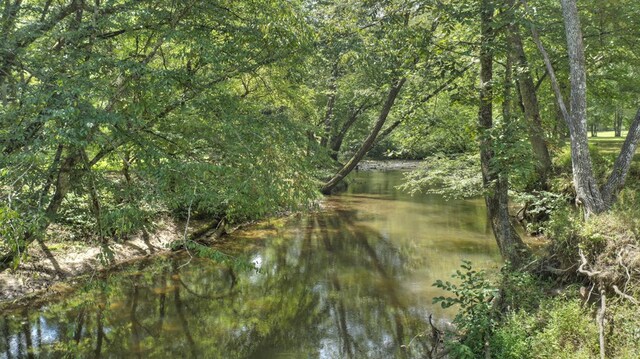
(351, 282)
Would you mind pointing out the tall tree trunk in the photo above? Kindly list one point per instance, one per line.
(587, 191)
(555, 85)
(531, 107)
(496, 184)
(368, 142)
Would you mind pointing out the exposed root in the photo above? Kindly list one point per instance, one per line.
(624, 295)
(600, 319)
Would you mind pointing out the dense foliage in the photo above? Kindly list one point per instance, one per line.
(115, 111)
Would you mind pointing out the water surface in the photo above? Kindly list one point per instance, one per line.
(352, 281)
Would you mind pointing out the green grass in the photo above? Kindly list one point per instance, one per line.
(607, 144)
(608, 134)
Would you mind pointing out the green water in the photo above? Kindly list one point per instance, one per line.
(352, 281)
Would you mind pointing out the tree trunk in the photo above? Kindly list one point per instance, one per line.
(336, 141)
(617, 123)
(63, 185)
(531, 108)
(616, 179)
(368, 143)
(587, 191)
(496, 184)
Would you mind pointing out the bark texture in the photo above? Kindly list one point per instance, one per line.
(616, 179)
(588, 194)
(587, 190)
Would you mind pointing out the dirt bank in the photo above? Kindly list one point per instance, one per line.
(54, 266)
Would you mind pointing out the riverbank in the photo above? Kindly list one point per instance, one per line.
(53, 267)
(59, 266)
(371, 252)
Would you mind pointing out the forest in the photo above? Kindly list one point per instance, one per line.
(120, 116)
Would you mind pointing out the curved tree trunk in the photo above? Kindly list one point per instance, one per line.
(368, 143)
(496, 184)
(616, 179)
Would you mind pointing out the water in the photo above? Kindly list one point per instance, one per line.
(353, 281)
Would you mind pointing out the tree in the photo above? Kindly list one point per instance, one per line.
(369, 141)
(496, 183)
(402, 52)
(116, 111)
(529, 100)
(588, 192)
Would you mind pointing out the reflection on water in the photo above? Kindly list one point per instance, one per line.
(351, 282)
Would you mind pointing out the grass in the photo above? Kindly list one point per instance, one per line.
(607, 144)
(608, 135)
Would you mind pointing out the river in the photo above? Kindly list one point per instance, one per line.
(353, 280)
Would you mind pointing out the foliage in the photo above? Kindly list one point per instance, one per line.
(452, 177)
(476, 318)
(530, 323)
(114, 111)
(560, 329)
(537, 207)
(442, 127)
(521, 290)
(13, 229)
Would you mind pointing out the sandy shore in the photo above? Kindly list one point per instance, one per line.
(53, 266)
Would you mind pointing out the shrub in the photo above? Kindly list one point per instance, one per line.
(476, 317)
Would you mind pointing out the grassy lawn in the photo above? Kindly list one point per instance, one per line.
(606, 143)
(609, 145)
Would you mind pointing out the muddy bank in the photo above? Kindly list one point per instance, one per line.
(55, 267)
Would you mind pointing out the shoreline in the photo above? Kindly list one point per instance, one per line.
(55, 267)
(61, 267)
